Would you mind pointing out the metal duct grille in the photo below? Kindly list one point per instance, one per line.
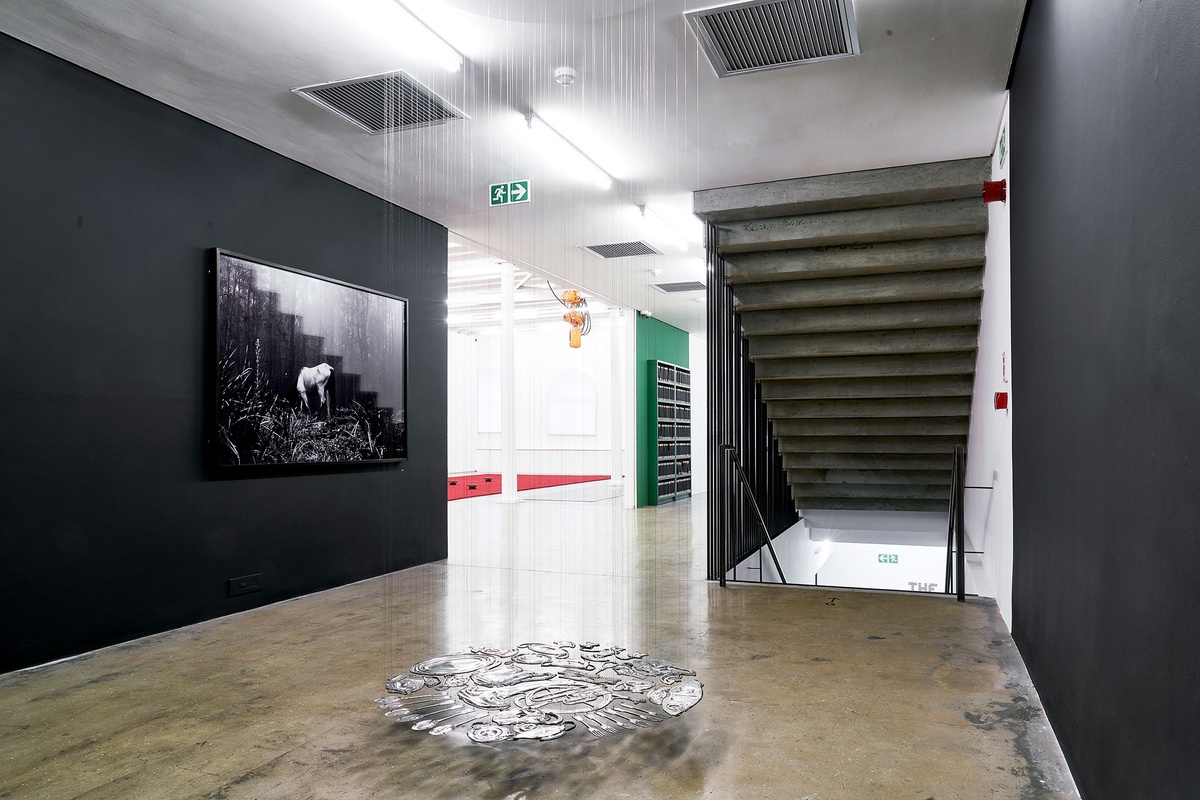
(682, 286)
(622, 249)
(758, 35)
(393, 101)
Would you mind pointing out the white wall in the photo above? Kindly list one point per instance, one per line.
(989, 514)
(541, 355)
(798, 555)
(885, 566)
(461, 379)
(844, 548)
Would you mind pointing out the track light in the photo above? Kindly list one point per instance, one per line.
(570, 157)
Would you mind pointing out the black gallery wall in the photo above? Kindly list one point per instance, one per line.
(1106, 376)
(113, 527)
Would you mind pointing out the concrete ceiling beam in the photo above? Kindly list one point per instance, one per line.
(953, 284)
(885, 316)
(895, 224)
(865, 259)
(918, 183)
(865, 343)
(782, 368)
(866, 427)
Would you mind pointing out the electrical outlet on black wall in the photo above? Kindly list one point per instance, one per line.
(246, 584)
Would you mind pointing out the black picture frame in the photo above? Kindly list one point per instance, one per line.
(276, 330)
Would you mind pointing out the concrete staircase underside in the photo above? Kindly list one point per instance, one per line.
(859, 295)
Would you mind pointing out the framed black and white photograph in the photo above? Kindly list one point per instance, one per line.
(309, 370)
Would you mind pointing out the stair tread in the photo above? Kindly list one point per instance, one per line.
(937, 220)
(875, 258)
(862, 189)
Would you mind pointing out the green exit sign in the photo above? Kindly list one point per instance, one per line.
(889, 558)
(508, 193)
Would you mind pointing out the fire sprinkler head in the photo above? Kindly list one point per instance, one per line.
(565, 76)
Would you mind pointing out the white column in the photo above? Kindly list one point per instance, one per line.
(508, 387)
(617, 401)
(629, 403)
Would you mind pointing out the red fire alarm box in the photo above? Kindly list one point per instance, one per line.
(1001, 401)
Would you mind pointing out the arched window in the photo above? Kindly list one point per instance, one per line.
(571, 406)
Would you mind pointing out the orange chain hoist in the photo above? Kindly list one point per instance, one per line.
(577, 315)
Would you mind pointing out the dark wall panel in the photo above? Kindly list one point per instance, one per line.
(112, 527)
(1106, 376)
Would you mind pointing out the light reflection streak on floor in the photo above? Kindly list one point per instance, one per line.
(546, 569)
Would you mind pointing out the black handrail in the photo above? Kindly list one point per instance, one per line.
(956, 534)
(961, 585)
(762, 523)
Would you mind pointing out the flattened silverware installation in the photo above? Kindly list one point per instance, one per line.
(540, 691)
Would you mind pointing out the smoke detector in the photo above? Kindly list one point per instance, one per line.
(565, 76)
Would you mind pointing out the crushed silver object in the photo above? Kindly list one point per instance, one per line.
(538, 691)
(680, 698)
(405, 684)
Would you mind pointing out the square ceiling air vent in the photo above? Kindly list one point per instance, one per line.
(769, 34)
(622, 249)
(681, 286)
(393, 101)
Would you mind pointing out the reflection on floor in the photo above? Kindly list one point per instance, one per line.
(809, 693)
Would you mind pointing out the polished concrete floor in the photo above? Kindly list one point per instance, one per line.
(810, 694)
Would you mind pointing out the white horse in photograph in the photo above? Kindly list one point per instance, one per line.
(314, 378)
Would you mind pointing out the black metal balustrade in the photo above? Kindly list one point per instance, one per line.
(736, 463)
(737, 416)
(956, 534)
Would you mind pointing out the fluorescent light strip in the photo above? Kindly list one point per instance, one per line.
(440, 51)
(489, 320)
(663, 228)
(579, 160)
(682, 222)
(492, 300)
